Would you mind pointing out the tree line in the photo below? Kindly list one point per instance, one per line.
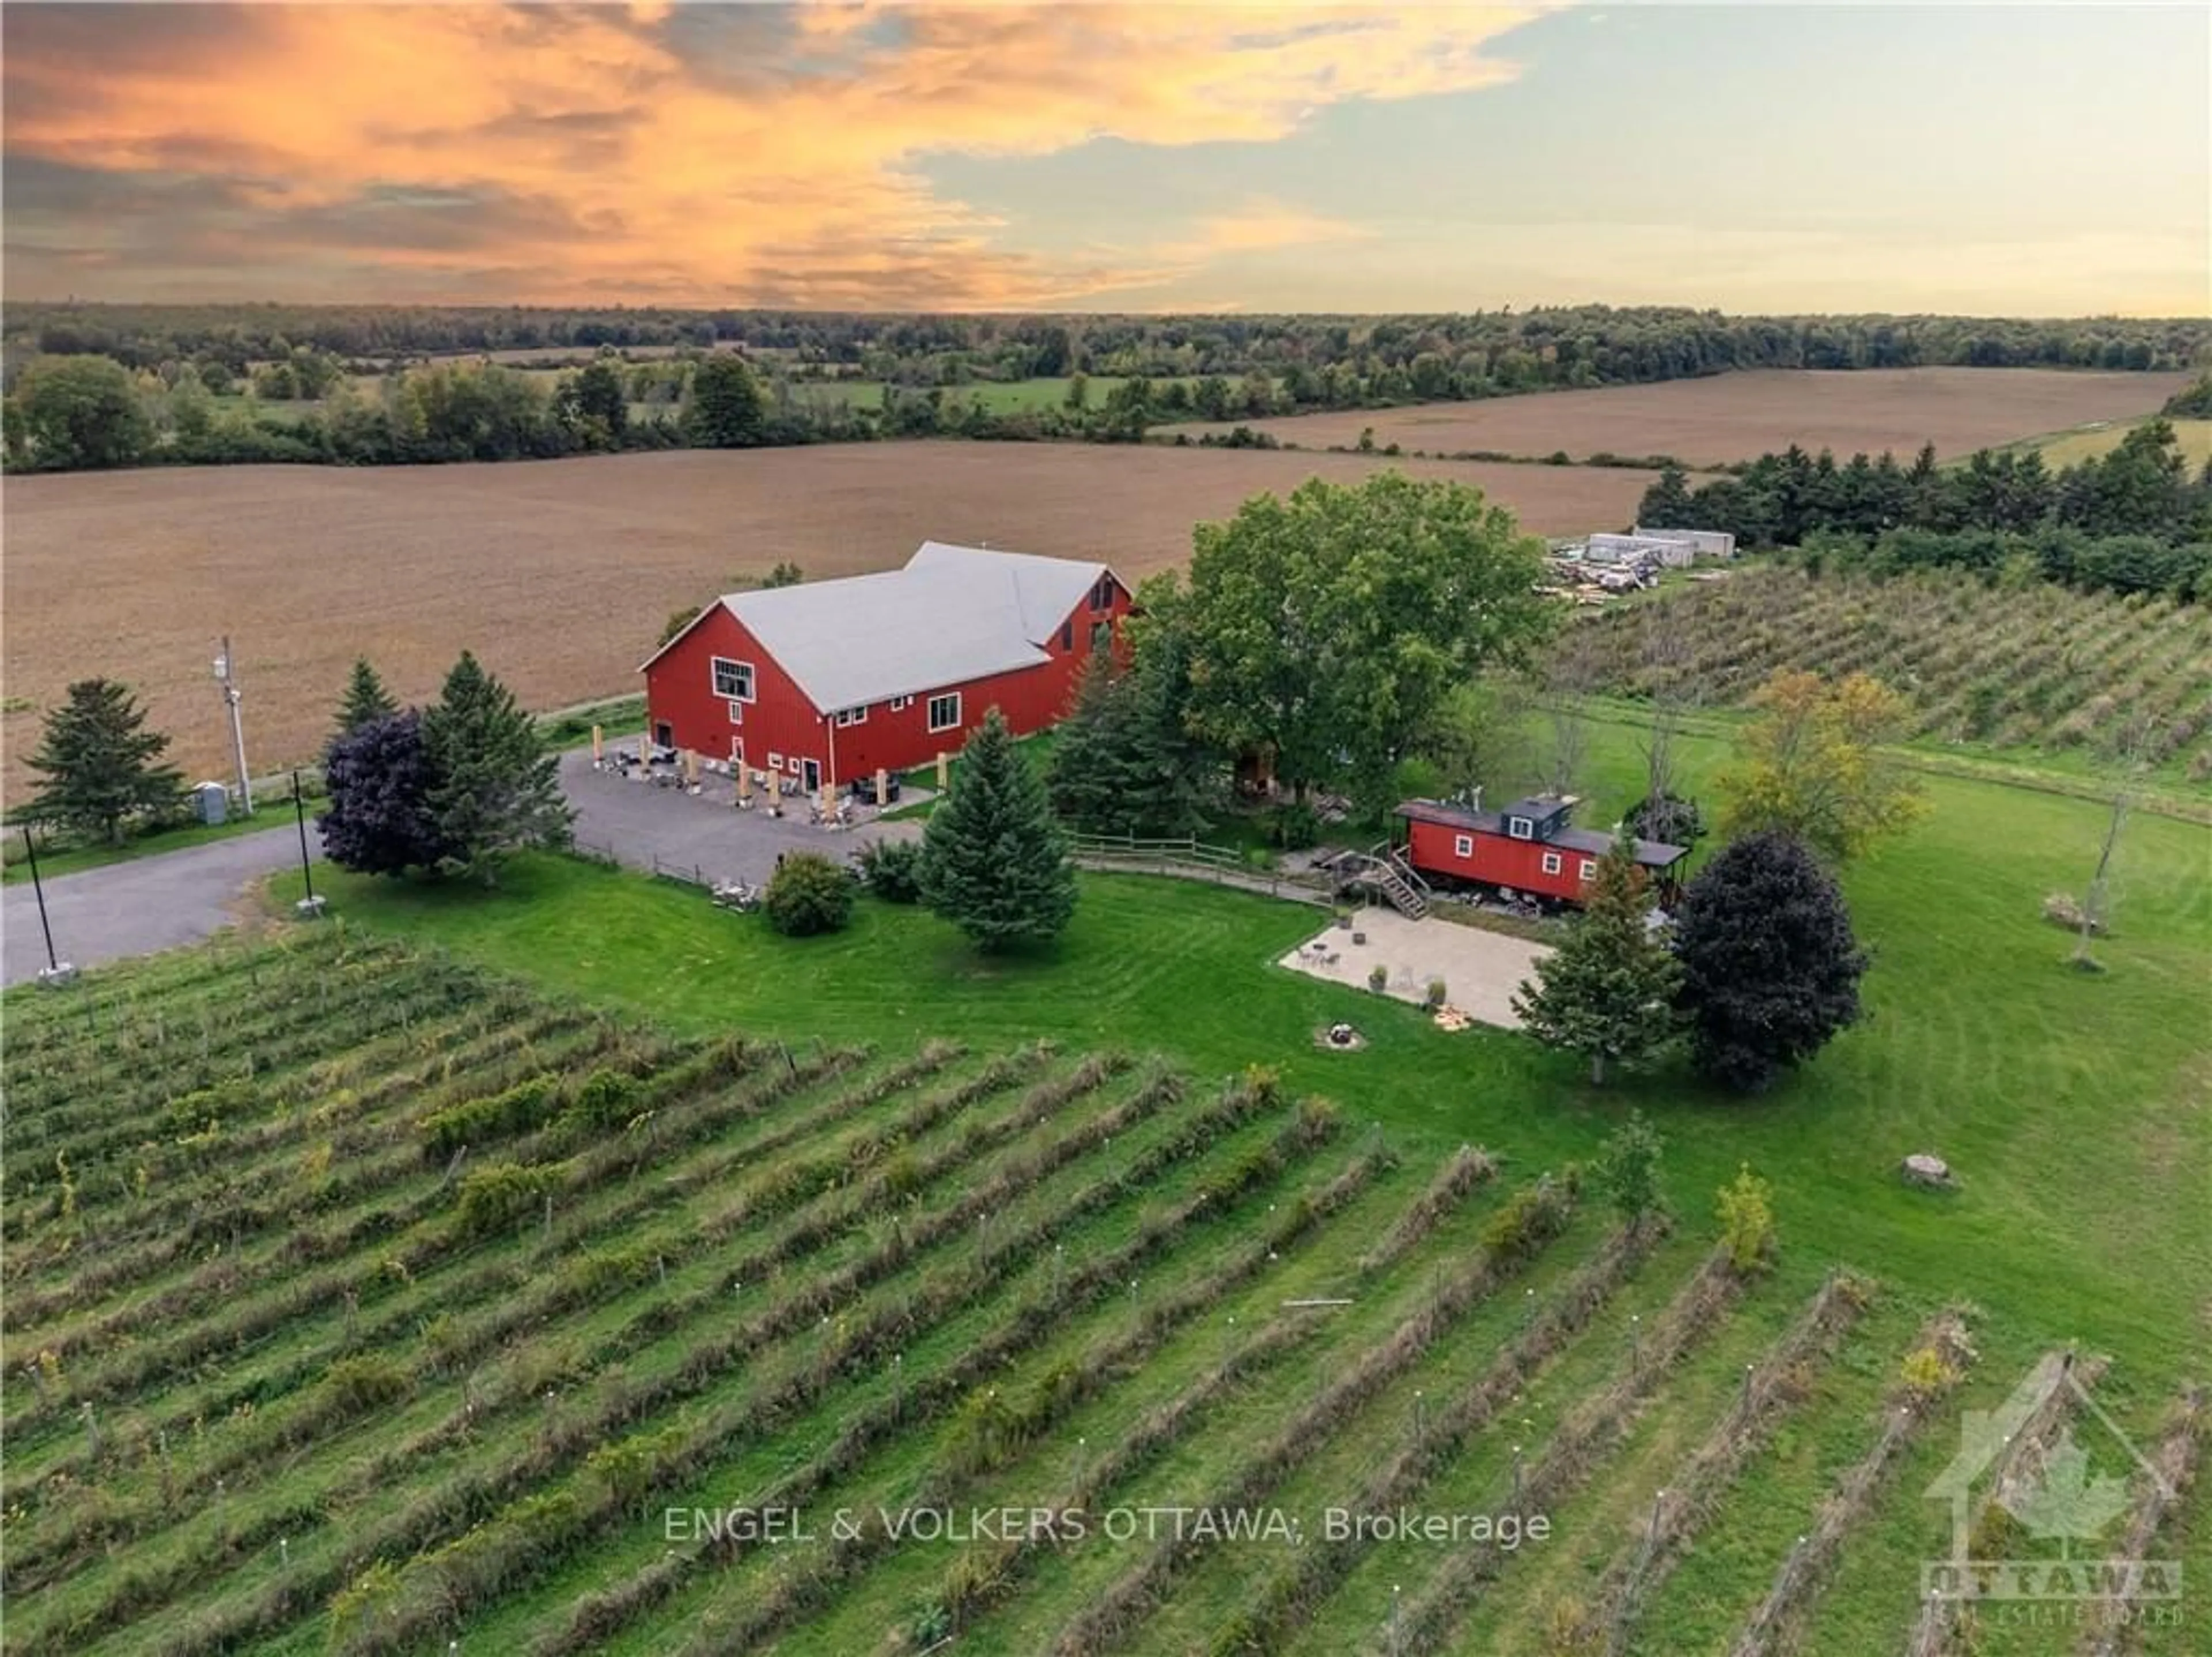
(173, 396)
(1574, 344)
(2133, 520)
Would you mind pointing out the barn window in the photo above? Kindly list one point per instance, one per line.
(945, 711)
(901, 704)
(1067, 635)
(1551, 864)
(1587, 870)
(1520, 828)
(733, 679)
(1463, 845)
(852, 716)
(776, 762)
(736, 713)
(1102, 593)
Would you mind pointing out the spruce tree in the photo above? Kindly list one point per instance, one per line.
(1606, 992)
(100, 764)
(1770, 968)
(495, 789)
(366, 700)
(1083, 777)
(994, 861)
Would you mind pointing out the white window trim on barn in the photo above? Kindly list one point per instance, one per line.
(852, 715)
(737, 712)
(951, 719)
(736, 684)
(1587, 871)
(1463, 845)
(776, 762)
(901, 704)
(1552, 864)
(1521, 828)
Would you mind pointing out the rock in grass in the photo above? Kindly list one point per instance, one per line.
(1930, 1172)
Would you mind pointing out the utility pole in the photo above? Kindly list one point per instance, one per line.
(56, 972)
(225, 672)
(309, 907)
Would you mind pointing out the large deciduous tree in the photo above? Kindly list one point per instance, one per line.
(1606, 992)
(727, 408)
(993, 863)
(1328, 628)
(1770, 968)
(495, 788)
(380, 777)
(101, 763)
(80, 411)
(1812, 765)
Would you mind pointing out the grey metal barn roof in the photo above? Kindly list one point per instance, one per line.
(953, 614)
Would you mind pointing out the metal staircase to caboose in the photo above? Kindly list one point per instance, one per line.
(1386, 870)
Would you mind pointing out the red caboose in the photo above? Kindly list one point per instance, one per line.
(1530, 848)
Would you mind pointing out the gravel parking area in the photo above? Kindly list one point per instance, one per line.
(1480, 970)
(637, 822)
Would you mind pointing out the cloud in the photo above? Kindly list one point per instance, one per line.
(1264, 227)
(732, 153)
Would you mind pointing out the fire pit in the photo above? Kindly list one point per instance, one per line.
(1339, 1038)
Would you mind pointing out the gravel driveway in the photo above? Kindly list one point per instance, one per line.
(139, 907)
(152, 903)
(637, 822)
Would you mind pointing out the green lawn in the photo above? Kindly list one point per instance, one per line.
(2071, 1105)
(67, 859)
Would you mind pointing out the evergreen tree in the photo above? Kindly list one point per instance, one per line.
(993, 863)
(1122, 763)
(379, 820)
(1667, 503)
(100, 763)
(1084, 779)
(1770, 968)
(495, 788)
(365, 699)
(1628, 1170)
(1171, 773)
(1607, 991)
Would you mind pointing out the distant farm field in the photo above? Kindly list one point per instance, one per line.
(1737, 417)
(561, 573)
(2067, 448)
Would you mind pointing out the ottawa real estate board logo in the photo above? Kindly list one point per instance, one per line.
(2038, 1494)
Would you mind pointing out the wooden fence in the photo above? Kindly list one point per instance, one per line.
(1191, 860)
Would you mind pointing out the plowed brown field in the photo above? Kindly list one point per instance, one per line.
(560, 574)
(1738, 416)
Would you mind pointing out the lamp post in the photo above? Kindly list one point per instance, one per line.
(56, 972)
(228, 677)
(309, 907)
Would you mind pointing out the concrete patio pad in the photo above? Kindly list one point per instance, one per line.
(1480, 970)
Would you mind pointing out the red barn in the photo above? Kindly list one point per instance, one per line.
(1528, 847)
(831, 681)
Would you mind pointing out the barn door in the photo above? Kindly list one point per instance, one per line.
(811, 775)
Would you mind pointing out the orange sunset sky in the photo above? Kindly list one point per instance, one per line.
(1262, 157)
